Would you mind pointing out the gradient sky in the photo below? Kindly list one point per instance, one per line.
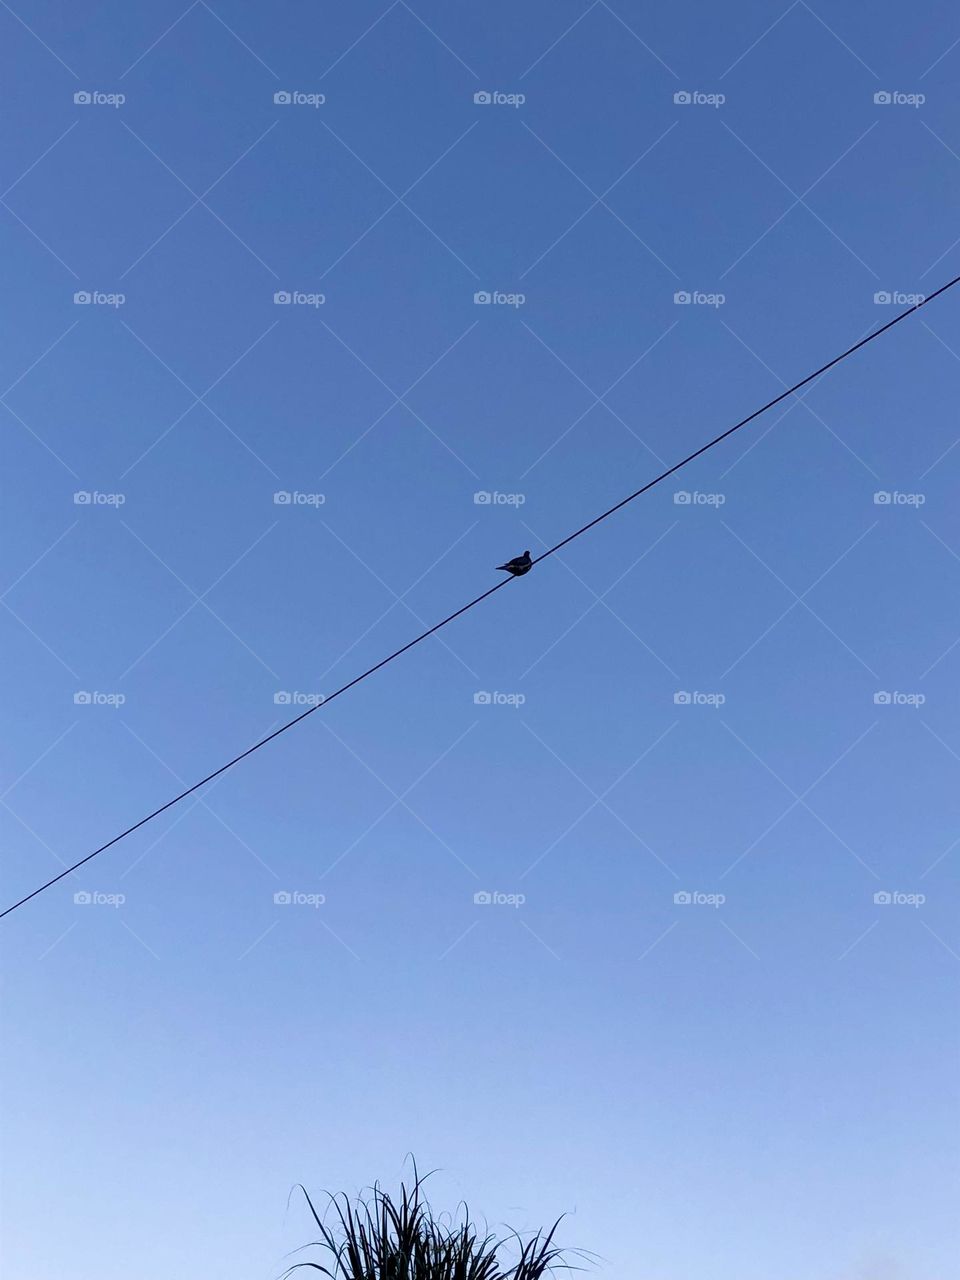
(761, 1083)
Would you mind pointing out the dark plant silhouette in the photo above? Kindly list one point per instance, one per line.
(380, 1238)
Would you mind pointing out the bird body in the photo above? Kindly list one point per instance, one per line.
(518, 566)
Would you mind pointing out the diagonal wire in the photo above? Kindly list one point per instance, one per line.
(451, 617)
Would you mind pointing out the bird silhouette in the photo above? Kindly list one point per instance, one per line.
(519, 565)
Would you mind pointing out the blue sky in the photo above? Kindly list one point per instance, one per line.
(748, 698)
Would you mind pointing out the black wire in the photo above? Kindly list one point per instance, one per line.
(750, 418)
(465, 608)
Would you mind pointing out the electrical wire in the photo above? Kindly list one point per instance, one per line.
(604, 515)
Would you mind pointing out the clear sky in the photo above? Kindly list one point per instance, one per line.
(749, 697)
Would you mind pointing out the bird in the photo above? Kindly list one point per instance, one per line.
(519, 565)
